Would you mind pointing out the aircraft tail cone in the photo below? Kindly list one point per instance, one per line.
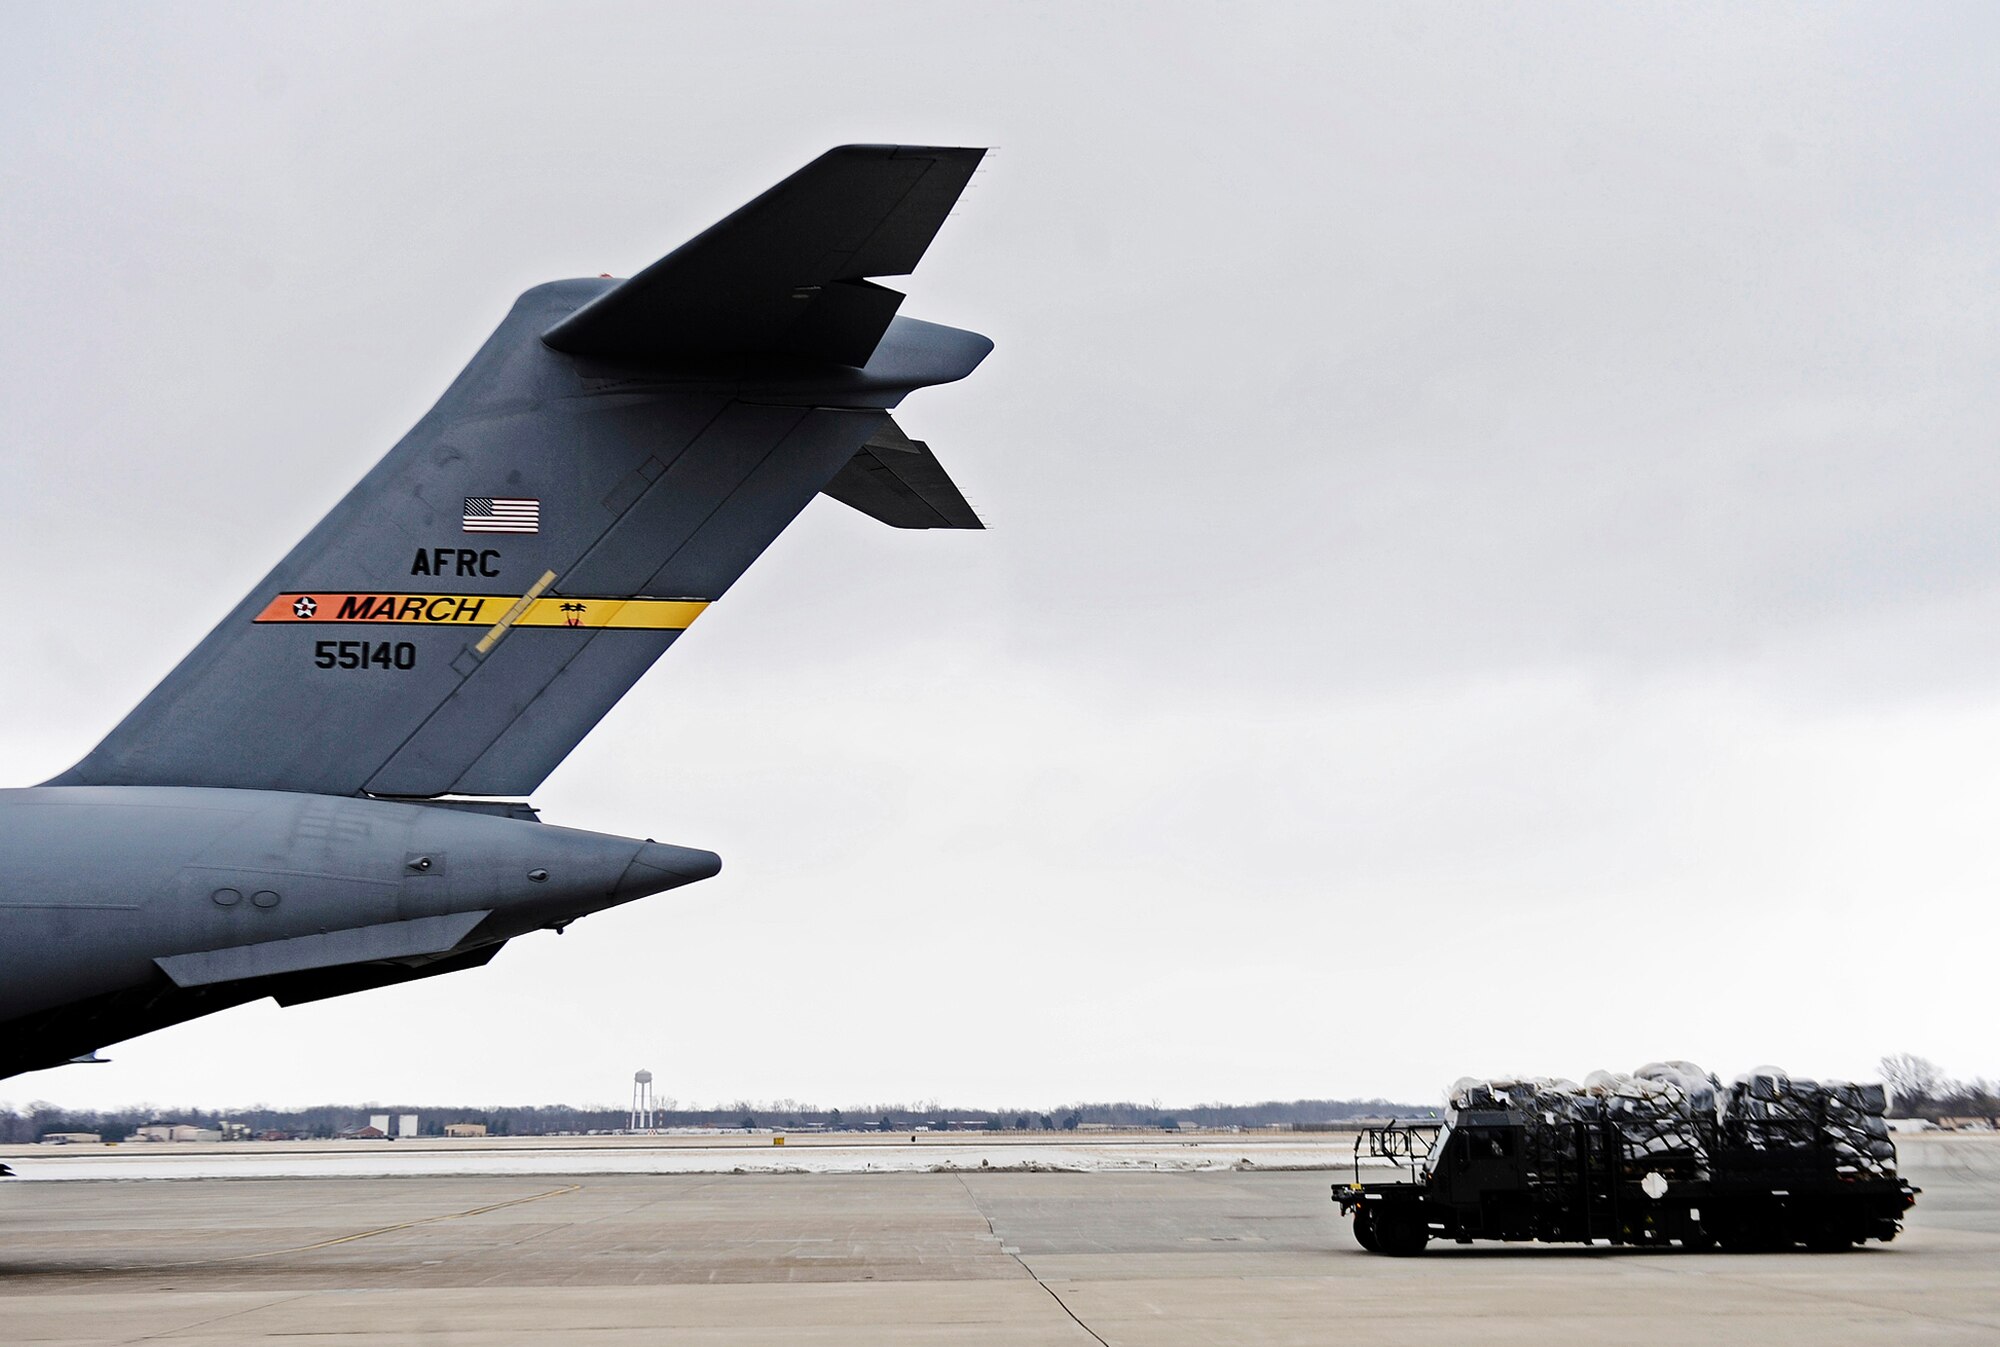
(659, 866)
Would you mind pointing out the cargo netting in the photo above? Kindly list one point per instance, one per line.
(1767, 1110)
(1675, 1113)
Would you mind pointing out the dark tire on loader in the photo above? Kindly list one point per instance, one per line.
(1698, 1240)
(1364, 1229)
(1401, 1232)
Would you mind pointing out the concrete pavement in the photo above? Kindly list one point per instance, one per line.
(1153, 1259)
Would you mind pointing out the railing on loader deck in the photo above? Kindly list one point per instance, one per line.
(1405, 1145)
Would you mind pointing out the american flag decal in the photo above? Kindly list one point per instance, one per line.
(502, 514)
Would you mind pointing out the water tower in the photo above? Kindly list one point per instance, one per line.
(642, 1101)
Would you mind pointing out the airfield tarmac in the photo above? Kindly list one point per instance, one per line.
(1115, 1252)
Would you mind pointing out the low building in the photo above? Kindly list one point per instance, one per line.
(465, 1129)
(176, 1132)
(70, 1138)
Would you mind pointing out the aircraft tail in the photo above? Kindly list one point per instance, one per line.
(613, 458)
(899, 481)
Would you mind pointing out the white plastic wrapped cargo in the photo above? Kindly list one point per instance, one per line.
(1767, 1085)
(1524, 1094)
(1669, 1109)
(1701, 1087)
(1768, 1110)
(1653, 1117)
(1866, 1100)
(1854, 1121)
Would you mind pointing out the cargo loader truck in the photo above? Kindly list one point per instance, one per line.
(1770, 1164)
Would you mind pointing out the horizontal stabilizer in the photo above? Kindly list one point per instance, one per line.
(360, 944)
(786, 275)
(899, 481)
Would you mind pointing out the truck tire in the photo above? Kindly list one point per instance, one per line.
(1401, 1232)
(1364, 1229)
(1758, 1237)
(1738, 1236)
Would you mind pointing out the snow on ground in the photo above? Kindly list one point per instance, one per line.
(642, 1155)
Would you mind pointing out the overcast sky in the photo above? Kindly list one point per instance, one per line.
(1494, 553)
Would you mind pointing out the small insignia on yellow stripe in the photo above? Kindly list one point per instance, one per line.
(468, 610)
(486, 643)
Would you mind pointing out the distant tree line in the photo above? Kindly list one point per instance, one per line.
(1919, 1088)
(327, 1121)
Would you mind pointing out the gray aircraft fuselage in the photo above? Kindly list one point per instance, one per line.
(125, 899)
(323, 797)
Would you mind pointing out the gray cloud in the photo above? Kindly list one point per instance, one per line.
(1483, 502)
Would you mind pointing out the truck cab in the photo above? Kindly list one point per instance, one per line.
(1477, 1159)
(1500, 1174)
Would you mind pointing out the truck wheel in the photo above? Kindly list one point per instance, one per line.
(1364, 1230)
(1775, 1239)
(1739, 1237)
(1698, 1240)
(1400, 1234)
(1829, 1241)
